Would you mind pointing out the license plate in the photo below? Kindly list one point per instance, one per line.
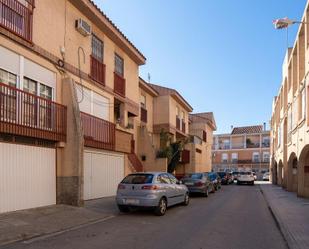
(189, 183)
(131, 201)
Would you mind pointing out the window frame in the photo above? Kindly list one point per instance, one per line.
(94, 53)
(118, 57)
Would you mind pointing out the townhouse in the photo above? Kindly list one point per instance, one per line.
(289, 121)
(245, 148)
(165, 119)
(69, 103)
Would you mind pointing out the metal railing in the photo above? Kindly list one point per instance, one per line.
(17, 17)
(143, 115)
(25, 114)
(97, 70)
(98, 133)
(177, 123)
(119, 85)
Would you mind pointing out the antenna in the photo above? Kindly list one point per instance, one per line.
(149, 77)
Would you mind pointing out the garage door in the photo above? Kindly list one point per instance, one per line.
(27, 177)
(102, 173)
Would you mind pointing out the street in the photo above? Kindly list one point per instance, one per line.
(235, 217)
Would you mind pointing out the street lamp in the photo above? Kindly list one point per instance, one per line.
(283, 23)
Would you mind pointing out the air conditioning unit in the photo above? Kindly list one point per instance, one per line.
(83, 27)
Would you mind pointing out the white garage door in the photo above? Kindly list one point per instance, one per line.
(27, 177)
(102, 173)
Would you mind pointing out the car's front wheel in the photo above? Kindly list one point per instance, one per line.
(186, 200)
(161, 208)
(123, 209)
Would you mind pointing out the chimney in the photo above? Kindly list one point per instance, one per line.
(264, 125)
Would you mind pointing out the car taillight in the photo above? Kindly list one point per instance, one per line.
(199, 184)
(121, 186)
(150, 187)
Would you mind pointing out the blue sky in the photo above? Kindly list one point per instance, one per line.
(222, 56)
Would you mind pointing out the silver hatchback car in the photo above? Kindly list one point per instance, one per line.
(157, 190)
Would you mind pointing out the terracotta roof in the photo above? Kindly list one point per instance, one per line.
(169, 91)
(204, 117)
(248, 129)
(118, 30)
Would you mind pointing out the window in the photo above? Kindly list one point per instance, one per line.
(45, 92)
(265, 157)
(177, 111)
(119, 65)
(225, 158)
(143, 101)
(226, 144)
(30, 86)
(266, 142)
(234, 157)
(8, 103)
(183, 115)
(97, 48)
(163, 178)
(138, 179)
(256, 157)
(172, 179)
(8, 78)
(204, 136)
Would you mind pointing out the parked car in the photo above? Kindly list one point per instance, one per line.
(156, 190)
(224, 178)
(254, 176)
(245, 177)
(230, 178)
(235, 175)
(266, 176)
(216, 180)
(198, 183)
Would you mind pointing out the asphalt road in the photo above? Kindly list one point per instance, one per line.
(235, 217)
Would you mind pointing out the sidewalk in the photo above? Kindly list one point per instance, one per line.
(291, 214)
(31, 223)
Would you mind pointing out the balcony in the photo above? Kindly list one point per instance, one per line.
(97, 70)
(143, 115)
(98, 133)
(119, 85)
(16, 16)
(25, 114)
(177, 123)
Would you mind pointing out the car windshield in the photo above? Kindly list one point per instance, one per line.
(245, 173)
(235, 173)
(138, 179)
(221, 174)
(195, 176)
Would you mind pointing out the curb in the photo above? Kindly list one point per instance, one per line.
(286, 234)
(37, 237)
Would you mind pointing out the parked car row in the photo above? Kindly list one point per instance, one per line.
(203, 183)
(160, 190)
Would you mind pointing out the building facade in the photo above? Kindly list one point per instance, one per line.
(69, 103)
(245, 148)
(289, 121)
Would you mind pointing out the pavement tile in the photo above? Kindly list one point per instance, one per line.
(27, 224)
(292, 214)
